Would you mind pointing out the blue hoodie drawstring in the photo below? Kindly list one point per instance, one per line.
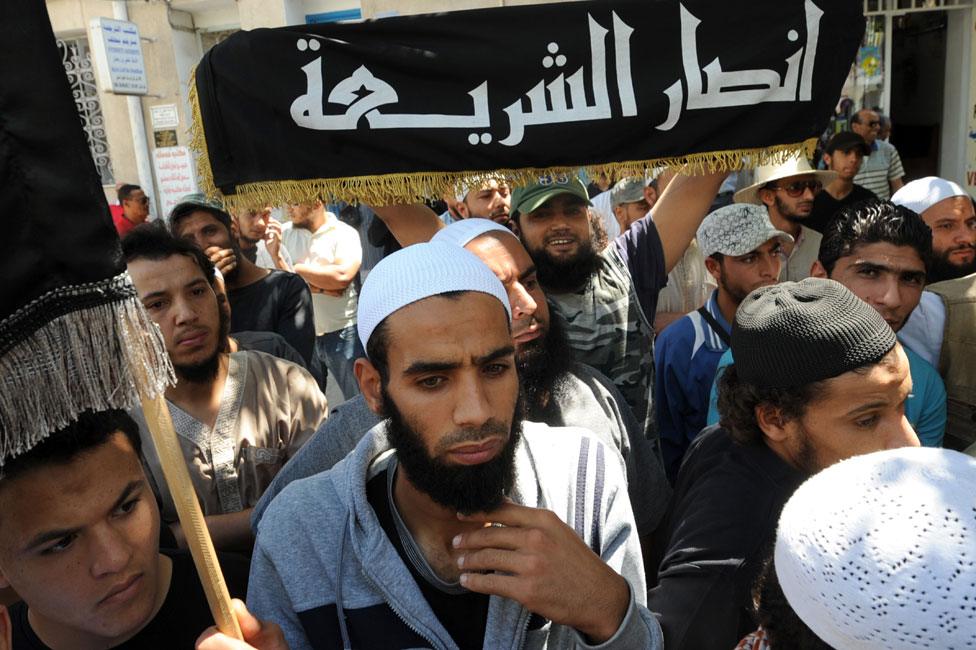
(340, 612)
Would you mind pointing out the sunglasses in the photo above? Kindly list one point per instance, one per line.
(798, 188)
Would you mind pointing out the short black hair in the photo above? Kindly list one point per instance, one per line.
(125, 191)
(151, 241)
(738, 399)
(784, 628)
(186, 209)
(91, 430)
(871, 222)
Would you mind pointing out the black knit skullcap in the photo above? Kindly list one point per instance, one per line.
(796, 333)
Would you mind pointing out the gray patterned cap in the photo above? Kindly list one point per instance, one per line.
(737, 229)
(629, 190)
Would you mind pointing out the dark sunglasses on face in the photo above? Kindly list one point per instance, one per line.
(798, 188)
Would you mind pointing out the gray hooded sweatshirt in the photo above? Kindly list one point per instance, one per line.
(324, 569)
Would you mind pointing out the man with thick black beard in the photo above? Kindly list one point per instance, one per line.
(607, 298)
(238, 416)
(454, 523)
(558, 390)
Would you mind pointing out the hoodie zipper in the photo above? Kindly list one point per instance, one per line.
(400, 615)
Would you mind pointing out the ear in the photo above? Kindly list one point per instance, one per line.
(462, 209)
(767, 196)
(235, 232)
(772, 423)
(826, 160)
(4, 583)
(714, 267)
(817, 270)
(370, 384)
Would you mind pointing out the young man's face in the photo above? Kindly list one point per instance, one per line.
(204, 230)
(845, 163)
(628, 213)
(491, 201)
(740, 275)
(253, 224)
(79, 543)
(953, 225)
(511, 264)
(181, 301)
(452, 376)
(791, 197)
(889, 278)
(857, 413)
(559, 228)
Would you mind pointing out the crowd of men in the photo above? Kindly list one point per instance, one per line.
(660, 412)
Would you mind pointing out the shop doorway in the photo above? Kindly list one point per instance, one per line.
(918, 78)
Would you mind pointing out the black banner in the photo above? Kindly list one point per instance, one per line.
(399, 106)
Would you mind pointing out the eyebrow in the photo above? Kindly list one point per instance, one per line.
(163, 293)
(874, 266)
(421, 367)
(51, 535)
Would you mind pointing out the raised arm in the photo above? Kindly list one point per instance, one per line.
(410, 223)
(680, 211)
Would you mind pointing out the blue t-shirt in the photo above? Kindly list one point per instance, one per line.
(925, 408)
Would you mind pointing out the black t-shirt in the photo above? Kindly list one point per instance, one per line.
(825, 206)
(279, 302)
(464, 616)
(182, 618)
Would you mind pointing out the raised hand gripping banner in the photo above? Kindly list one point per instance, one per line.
(401, 108)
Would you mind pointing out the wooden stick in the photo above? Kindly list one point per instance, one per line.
(191, 516)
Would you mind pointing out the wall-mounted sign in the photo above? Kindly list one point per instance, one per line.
(164, 116)
(175, 175)
(118, 54)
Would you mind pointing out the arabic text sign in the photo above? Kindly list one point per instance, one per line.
(575, 86)
(118, 55)
(164, 116)
(175, 177)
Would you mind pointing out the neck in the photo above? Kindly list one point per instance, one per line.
(432, 525)
(840, 188)
(726, 304)
(317, 219)
(248, 273)
(782, 223)
(54, 635)
(201, 399)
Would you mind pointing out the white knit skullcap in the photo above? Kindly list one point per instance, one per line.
(879, 551)
(421, 271)
(461, 232)
(922, 194)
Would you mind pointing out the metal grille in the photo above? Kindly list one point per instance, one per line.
(895, 7)
(78, 66)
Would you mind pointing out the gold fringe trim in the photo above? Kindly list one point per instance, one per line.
(387, 189)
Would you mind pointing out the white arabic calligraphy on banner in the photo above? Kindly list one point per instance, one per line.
(364, 94)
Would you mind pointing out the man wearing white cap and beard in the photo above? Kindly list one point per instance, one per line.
(787, 190)
(392, 549)
(940, 327)
(948, 210)
(558, 391)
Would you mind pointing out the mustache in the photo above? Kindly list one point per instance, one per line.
(473, 434)
(962, 247)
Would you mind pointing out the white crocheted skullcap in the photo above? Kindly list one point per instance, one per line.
(922, 194)
(460, 233)
(879, 551)
(737, 229)
(421, 271)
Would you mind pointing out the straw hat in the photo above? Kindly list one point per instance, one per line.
(769, 173)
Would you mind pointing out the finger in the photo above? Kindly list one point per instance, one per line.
(494, 584)
(494, 559)
(510, 538)
(511, 514)
(250, 626)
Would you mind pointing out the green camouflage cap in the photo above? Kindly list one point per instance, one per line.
(198, 201)
(527, 198)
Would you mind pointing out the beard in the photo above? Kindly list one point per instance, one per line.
(788, 213)
(464, 488)
(942, 269)
(569, 274)
(542, 368)
(205, 371)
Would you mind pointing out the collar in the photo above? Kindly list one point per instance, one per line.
(710, 338)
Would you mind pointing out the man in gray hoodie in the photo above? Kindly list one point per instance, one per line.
(453, 524)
